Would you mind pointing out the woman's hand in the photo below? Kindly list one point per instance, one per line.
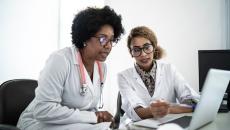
(104, 116)
(180, 108)
(159, 108)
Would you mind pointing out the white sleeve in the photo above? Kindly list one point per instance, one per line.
(48, 97)
(182, 88)
(129, 98)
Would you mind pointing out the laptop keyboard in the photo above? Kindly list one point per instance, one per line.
(183, 121)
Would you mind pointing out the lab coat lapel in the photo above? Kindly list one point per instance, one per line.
(138, 78)
(96, 76)
(158, 74)
(93, 85)
(89, 82)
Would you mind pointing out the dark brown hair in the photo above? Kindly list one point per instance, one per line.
(142, 31)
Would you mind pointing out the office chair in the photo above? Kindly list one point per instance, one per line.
(119, 112)
(15, 96)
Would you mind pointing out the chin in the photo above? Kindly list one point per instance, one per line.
(144, 66)
(101, 59)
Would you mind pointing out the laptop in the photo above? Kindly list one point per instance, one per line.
(214, 88)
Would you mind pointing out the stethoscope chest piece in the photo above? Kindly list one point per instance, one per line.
(83, 89)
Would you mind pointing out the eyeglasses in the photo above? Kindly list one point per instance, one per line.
(103, 39)
(147, 48)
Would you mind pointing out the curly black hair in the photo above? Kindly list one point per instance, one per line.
(89, 21)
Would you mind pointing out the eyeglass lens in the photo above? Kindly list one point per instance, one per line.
(147, 48)
(103, 39)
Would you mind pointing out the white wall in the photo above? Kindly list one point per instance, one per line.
(28, 34)
(182, 27)
(68, 9)
(32, 29)
(227, 24)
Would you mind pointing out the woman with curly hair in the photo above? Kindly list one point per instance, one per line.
(69, 91)
(152, 87)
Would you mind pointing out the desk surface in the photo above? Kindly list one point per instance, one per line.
(222, 122)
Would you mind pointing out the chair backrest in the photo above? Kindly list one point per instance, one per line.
(15, 96)
(119, 111)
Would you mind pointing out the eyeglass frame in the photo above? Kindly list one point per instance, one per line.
(103, 40)
(142, 49)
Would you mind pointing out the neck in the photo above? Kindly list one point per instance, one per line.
(146, 68)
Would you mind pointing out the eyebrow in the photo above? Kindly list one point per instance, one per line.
(136, 46)
(142, 46)
(112, 36)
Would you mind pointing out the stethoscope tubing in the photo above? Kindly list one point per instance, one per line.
(84, 85)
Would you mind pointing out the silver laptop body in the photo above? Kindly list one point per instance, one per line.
(212, 94)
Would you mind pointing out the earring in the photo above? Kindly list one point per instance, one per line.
(84, 44)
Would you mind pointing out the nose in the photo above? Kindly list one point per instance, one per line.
(108, 45)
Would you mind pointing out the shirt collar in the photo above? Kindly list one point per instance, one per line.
(151, 72)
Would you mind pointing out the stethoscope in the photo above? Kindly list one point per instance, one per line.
(84, 85)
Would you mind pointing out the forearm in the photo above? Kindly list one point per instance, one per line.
(54, 113)
(180, 108)
(143, 113)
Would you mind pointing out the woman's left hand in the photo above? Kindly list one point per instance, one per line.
(104, 116)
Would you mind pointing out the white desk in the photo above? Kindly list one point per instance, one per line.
(222, 122)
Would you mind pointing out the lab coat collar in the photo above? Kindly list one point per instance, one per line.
(158, 73)
(74, 51)
(96, 76)
(138, 78)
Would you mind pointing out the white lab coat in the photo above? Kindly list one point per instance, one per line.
(58, 104)
(170, 86)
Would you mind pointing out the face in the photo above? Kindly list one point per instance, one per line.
(142, 51)
(100, 45)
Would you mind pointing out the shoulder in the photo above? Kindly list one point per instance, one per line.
(127, 72)
(65, 52)
(60, 59)
(165, 65)
(57, 63)
(62, 54)
(166, 68)
(126, 76)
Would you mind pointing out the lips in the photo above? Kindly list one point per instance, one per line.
(105, 54)
(144, 60)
